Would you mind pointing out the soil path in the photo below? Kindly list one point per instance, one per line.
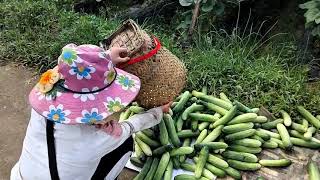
(15, 84)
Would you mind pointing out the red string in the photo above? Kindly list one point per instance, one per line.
(143, 57)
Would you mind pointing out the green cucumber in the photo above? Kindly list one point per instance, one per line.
(313, 171)
(233, 173)
(224, 97)
(214, 108)
(240, 148)
(170, 112)
(216, 101)
(279, 142)
(179, 124)
(303, 143)
(275, 163)
(285, 137)
(203, 156)
(257, 125)
(194, 125)
(186, 142)
(161, 150)
(149, 133)
(297, 134)
(286, 118)
(212, 145)
(168, 173)
(309, 117)
(298, 127)
(264, 135)
(272, 134)
(147, 140)
(136, 109)
(240, 156)
(309, 133)
(242, 107)
(142, 174)
(203, 117)
(181, 151)
(194, 107)
(187, 133)
(226, 118)
(204, 90)
(171, 130)
(138, 150)
(243, 118)
(270, 144)
(193, 99)
(214, 170)
(203, 126)
(305, 123)
(144, 147)
(162, 166)
(248, 142)
(256, 137)
(185, 177)
(245, 166)
(255, 110)
(182, 102)
(137, 162)
(125, 115)
(237, 127)
(213, 135)
(175, 162)
(173, 104)
(191, 167)
(240, 135)
(201, 136)
(164, 137)
(272, 124)
(260, 119)
(217, 162)
(152, 169)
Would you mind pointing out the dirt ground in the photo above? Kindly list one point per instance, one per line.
(15, 83)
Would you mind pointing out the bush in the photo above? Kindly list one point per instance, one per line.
(33, 32)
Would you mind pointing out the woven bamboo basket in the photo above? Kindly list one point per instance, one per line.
(162, 75)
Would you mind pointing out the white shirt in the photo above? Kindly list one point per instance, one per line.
(79, 148)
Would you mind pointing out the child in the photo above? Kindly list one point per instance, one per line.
(70, 135)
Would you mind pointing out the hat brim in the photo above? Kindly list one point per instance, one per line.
(72, 108)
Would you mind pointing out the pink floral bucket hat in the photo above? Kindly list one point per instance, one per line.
(85, 87)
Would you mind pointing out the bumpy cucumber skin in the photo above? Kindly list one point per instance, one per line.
(286, 117)
(194, 107)
(168, 173)
(237, 127)
(248, 142)
(240, 156)
(203, 156)
(213, 135)
(272, 124)
(240, 135)
(171, 130)
(162, 166)
(285, 137)
(226, 118)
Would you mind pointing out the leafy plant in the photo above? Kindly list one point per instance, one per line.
(209, 10)
(312, 16)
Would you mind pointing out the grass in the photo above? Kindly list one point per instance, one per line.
(33, 33)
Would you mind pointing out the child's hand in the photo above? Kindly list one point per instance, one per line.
(166, 107)
(119, 55)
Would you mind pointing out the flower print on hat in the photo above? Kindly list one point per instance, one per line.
(127, 83)
(88, 96)
(57, 114)
(109, 75)
(114, 105)
(69, 55)
(90, 117)
(82, 71)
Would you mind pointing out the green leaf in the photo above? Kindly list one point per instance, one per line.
(316, 31)
(208, 6)
(218, 8)
(311, 15)
(185, 2)
(309, 5)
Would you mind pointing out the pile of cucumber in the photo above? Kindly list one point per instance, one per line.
(219, 136)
